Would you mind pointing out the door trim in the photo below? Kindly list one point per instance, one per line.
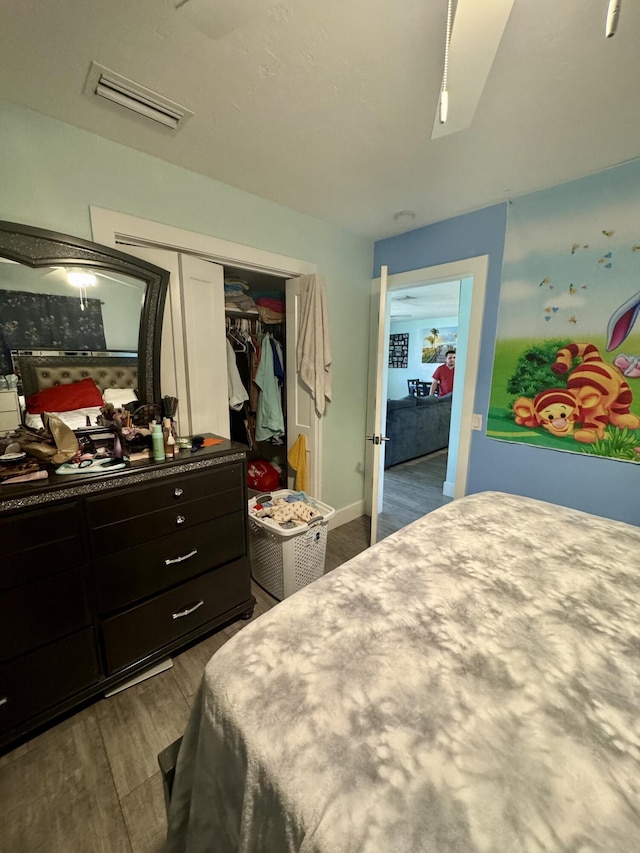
(475, 268)
(112, 228)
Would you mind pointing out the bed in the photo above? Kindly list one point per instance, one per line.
(471, 683)
(114, 373)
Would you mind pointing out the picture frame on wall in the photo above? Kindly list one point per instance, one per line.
(436, 342)
(399, 350)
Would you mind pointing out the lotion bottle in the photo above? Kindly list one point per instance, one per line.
(157, 439)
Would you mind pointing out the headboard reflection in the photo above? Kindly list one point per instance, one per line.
(108, 370)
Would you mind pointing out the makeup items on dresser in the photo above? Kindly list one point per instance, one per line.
(157, 439)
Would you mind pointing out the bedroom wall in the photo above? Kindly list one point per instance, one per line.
(397, 376)
(601, 486)
(51, 172)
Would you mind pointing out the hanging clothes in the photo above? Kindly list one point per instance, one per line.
(313, 351)
(236, 390)
(269, 418)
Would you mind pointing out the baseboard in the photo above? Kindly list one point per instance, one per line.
(448, 489)
(346, 514)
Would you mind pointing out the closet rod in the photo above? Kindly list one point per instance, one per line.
(243, 315)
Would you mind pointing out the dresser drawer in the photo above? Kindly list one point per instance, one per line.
(168, 561)
(146, 528)
(171, 493)
(40, 680)
(149, 627)
(39, 543)
(40, 612)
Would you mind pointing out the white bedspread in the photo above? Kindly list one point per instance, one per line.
(469, 685)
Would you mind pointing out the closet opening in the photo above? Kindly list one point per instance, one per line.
(255, 320)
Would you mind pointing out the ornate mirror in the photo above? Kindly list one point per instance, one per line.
(67, 300)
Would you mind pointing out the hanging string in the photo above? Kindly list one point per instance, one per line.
(444, 92)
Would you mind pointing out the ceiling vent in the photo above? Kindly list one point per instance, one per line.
(117, 89)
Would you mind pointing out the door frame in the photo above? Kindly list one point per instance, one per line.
(471, 313)
(115, 229)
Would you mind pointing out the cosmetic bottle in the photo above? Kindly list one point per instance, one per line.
(157, 439)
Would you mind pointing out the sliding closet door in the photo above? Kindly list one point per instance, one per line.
(193, 357)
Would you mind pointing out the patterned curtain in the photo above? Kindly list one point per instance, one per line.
(40, 321)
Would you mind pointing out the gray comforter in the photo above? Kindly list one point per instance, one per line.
(469, 685)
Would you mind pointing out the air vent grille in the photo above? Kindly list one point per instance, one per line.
(113, 87)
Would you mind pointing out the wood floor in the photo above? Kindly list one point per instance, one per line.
(91, 784)
(411, 490)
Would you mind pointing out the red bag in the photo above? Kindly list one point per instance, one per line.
(262, 476)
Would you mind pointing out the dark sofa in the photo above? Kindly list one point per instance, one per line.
(416, 426)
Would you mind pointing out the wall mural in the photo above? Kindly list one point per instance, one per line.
(399, 350)
(436, 342)
(566, 371)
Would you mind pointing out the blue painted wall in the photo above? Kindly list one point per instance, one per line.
(602, 486)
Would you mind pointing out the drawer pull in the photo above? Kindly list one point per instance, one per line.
(180, 519)
(180, 559)
(4, 700)
(188, 611)
(177, 492)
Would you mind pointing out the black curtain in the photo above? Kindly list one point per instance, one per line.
(41, 321)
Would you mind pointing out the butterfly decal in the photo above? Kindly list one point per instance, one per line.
(607, 255)
(635, 248)
(572, 319)
(547, 310)
(608, 233)
(572, 289)
(544, 281)
(608, 266)
(547, 317)
(577, 246)
(555, 310)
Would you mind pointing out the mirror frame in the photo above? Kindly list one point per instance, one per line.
(38, 247)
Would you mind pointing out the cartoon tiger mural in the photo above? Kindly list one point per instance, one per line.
(596, 395)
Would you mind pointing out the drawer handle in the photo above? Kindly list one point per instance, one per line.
(180, 559)
(180, 519)
(4, 700)
(181, 613)
(178, 492)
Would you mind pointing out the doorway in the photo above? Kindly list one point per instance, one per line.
(423, 327)
(472, 275)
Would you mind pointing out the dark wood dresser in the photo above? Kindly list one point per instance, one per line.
(103, 577)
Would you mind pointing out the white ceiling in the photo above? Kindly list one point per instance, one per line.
(429, 301)
(327, 106)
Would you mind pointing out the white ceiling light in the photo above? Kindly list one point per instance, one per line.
(81, 278)
(113, 87)
(404, 218)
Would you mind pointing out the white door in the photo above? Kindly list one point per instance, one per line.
(473, 274)
(377, 403)
(301, 414)
(194, 312)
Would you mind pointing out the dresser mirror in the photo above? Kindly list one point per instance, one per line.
(67, 300)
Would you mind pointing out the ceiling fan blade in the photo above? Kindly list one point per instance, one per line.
(475, 38)
(216, 18)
